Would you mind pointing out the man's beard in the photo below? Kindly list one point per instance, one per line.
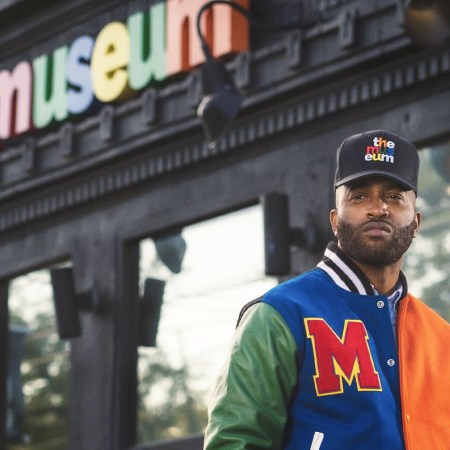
(380, 253)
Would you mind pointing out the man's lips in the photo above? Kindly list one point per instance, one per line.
(377, 229)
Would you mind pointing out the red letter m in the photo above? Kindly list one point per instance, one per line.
(371, 149)
(347, 358)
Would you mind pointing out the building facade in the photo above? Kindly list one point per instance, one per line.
(102, 149)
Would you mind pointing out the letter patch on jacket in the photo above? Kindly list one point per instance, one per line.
(336, 359)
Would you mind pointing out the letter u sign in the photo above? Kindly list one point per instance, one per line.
(341, 358)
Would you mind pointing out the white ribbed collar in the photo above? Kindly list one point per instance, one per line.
(347, 275)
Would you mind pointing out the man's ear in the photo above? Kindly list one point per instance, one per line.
(333, 220)
(418, 217)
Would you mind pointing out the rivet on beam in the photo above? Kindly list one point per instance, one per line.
(66, 141)
(29, 155)
(243, 67)
(148, 100)
(347, 28)
(294, 49)
(106, 123)
(194, 88)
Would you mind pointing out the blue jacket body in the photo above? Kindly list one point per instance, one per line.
(348, 395)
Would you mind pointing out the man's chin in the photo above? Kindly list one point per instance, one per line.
(372, 253)
(380, 250)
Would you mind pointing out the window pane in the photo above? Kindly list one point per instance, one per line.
(427, 263)
(214, 269)
(44, 367)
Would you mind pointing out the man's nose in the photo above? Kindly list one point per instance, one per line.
(377, 207)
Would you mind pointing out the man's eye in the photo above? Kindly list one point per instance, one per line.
(395, 197)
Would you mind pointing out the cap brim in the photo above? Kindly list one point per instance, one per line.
(377, 173)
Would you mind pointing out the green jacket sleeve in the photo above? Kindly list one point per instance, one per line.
(248, 408)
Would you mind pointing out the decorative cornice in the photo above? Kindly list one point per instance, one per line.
(305, 109)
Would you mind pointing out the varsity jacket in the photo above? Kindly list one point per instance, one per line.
(315, 364)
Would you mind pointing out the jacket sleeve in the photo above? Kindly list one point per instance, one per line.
(248, 408)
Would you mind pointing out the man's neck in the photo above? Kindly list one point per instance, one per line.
(384, 279)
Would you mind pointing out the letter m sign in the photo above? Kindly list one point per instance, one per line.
(341, 358)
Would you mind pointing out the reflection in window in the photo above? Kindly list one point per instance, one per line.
(204, 275)
(38, 368)
(427, 263)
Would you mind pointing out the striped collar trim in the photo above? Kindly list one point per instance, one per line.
(347, 275)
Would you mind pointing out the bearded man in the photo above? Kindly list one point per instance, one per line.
(343, 356)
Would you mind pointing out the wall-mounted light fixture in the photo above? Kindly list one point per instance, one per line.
(221, 100)
(68, 302)
(279, 237)
(170, 250)
(150, 305)
(427, 22)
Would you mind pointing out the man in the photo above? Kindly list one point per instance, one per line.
(343, 357)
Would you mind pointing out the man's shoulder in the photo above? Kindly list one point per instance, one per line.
(419, 308)
(313, 281)
(291, 292)
(311, 277)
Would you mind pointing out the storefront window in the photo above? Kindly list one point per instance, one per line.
(201, 276)
(38, 368)
(427, 263)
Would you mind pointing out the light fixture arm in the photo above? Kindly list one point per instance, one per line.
(246, 13)
(210, 4)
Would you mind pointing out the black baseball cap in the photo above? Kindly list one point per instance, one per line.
(377, 153)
